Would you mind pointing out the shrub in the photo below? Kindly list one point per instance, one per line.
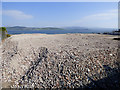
(8, 35)
(4, 29)
(106, 33)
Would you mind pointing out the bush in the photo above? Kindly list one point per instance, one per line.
(106, 33)
(4, 29)
(8, 35)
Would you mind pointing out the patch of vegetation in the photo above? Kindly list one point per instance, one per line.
(4, 33)
(3, 29)
(106, 33)
(8, 35)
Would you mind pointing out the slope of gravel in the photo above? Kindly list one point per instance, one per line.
(60, 61)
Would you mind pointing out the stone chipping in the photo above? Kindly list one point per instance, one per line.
(60, 61)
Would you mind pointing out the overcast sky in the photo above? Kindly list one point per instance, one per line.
(60, 14)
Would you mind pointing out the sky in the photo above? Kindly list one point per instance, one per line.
(60, 0)
(60, 14)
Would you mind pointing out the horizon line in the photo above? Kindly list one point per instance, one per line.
(60, 26)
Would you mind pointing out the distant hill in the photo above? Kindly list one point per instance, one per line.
(32, 28)
(56, 30)
(76, 28)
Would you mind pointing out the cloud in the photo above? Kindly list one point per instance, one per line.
(101, 19)
(102, 16)
(19, 15)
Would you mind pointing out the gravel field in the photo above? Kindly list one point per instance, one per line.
(60, 61)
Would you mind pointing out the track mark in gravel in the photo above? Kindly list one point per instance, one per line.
(42, 54)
